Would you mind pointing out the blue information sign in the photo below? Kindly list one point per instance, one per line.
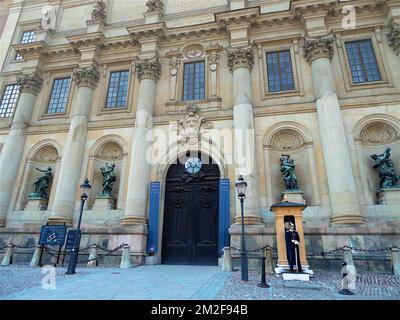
(152, 240)
(71, 239)
(53, 235)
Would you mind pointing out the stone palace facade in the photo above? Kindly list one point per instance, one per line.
(89, 84)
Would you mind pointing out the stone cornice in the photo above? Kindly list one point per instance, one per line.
(144, 32)
(86, 77)
(30, 83)
(248, 15)
(194, 31)
(31, 50)
(305, 7)
(88, 40)
(394, 38)
(240, 58)
(318, 47)
(148, 69)
(360, 6)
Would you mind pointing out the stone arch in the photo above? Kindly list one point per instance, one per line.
(291, 138)
(372, 134)
(293, 134)
(42, 155)
(109, 149)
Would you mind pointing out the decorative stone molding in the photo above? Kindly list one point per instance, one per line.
(315, 48)
(110, 151)
(379, 133)
(46, 154)
(189, 128)
(394, 38)
(193, 51)
(49, 19)
(99, 13)
(155, 5)
(287, 140)
(31, 83)
(86, 77)
(240, 58)
(148, 69)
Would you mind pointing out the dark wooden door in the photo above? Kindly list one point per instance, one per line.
(190, 230)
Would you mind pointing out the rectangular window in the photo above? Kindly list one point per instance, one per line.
(9, 100)
(27, 37)
(59, 95)
(280, 73)
(362, 61)
(194, 81)
(117, 89)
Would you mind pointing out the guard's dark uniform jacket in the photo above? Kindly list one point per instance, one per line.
(290, 249)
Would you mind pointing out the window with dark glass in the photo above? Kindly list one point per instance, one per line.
(59, 95)
(9, 100)
(362, 61)
(280, 73)
(117, 89)
(194, 81)
(27, 37)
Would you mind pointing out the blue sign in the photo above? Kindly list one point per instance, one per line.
(152, 240)
(53, 235)
(224, 215)
(71, 239)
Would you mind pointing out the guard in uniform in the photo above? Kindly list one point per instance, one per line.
(292, 247)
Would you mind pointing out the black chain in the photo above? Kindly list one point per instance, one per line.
(255, 250)
(22, 247)
(109, 252)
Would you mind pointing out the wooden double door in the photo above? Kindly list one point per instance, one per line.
(190, 229)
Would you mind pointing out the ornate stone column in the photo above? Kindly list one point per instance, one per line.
(148, 72)
(342, 190)
(240, 63)
(394, 38)
(86, 80)
(30, 86)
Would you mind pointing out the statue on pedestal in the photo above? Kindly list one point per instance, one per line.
(292, 247)
(41, 184)
(108, 179)
(385, 166)
(289, 177)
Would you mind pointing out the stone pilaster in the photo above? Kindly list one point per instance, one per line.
(241, 62)
(148, 71)
(71, 163)
(30, 86)
(394, 38)
(339, 171)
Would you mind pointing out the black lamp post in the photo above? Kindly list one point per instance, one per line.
(73, 260)
(241, 191)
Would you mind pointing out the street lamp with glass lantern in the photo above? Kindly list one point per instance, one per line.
(73, 260)
(241, 186)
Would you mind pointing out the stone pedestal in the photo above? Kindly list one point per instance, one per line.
(227, 260)
(293, 196)
(152, 260)
(396, 261)
(389, 196)
(296, 276)
(103, 203)
(36, 204)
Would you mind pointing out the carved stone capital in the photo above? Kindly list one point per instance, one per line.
(148, 69)
(86, 77)
(321, 47)
(240, 58)
(394, 38)
(30, 83)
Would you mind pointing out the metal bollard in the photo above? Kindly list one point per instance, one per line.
(8, 256)
(263, 283)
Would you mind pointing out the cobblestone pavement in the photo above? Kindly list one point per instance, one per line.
(322, 286)
(167, 282)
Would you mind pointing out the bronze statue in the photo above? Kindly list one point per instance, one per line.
(289, 177)
(108, 179)
(41, 184)
(385, 166)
